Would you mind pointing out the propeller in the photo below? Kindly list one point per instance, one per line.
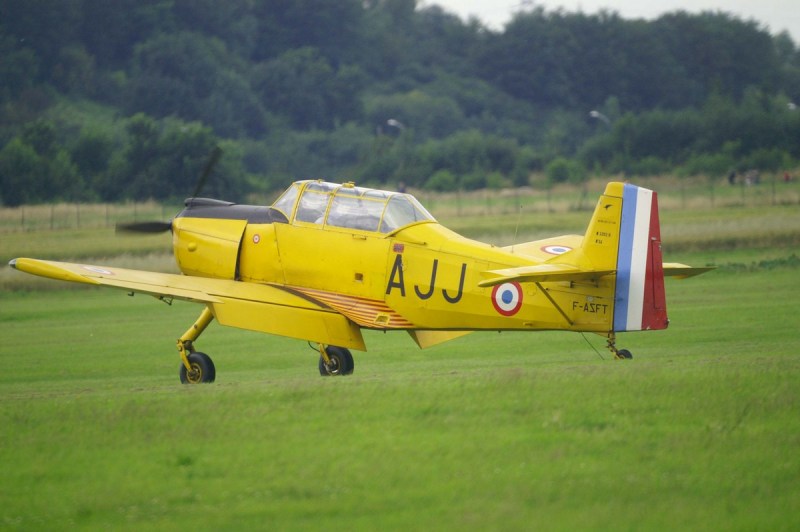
(144, 227)
(216, 153)
(153, 227)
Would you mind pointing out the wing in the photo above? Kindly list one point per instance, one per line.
(251, 306)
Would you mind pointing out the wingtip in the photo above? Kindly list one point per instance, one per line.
(13, 263)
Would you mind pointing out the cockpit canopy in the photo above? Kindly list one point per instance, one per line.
(350, 207)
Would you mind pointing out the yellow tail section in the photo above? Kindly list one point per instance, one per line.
(601, 241)
(625, 235)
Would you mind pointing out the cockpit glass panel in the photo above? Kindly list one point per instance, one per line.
(420, 212)
(313, 204)
(355, 212)
(321, 186)
(285, 203)
(403, 210)
(377, 194)
(349, 191)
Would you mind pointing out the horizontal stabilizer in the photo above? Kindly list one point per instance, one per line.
(540, 273)
(682, 271)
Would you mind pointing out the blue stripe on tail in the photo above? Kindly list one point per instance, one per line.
(630, 197)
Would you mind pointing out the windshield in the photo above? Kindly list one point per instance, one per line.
(285, 203)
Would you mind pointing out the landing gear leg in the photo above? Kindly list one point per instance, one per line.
(196, 367)
(622, 354)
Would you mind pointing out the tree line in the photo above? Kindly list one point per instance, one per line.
(125, 99)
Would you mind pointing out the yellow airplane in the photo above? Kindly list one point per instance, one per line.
(328, 260)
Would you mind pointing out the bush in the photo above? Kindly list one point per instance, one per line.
(562, 170)
(442, 181)
(770, 160)
(709, 164)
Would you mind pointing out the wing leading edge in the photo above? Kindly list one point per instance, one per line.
(250, 306)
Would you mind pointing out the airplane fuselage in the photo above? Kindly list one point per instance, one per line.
(423, 276)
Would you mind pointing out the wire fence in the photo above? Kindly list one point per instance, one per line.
(673, 194)
(57, 216)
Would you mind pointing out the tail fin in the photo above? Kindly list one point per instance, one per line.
(625, 235)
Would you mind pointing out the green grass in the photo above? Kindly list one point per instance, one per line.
(512, 431)
(493, 431)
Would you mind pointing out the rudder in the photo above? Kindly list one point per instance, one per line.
(624, 235)
(639, 299)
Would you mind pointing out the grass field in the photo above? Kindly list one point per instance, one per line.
(490, 432)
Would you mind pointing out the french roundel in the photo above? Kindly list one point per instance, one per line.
(556, 250)
(507, 298)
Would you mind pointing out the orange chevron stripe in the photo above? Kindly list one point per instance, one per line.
(370, 313)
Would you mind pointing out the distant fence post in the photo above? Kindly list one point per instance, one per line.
(711, 189)
(774, 197)
(683, 195)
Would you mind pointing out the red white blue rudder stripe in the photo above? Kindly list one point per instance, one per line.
(640, 303)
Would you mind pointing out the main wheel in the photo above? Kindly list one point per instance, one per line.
(624, 353)
(342, 362)
(202, 369)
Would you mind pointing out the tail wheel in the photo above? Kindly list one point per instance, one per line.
(342, 362)
(624, 354)
(202, 369)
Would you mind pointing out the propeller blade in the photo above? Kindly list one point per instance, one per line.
(216, 153)
(163, 227)
(144, 227)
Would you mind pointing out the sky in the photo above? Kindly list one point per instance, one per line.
(773, 15)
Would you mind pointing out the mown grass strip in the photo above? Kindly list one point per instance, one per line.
(507, 431)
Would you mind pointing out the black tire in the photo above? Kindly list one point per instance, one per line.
(351, 364)
(203, 370)
(624, 353)
(342, 362)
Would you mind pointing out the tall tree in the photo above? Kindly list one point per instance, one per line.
(333, 28)
(719, 52)
(195, 78)
(302, 85)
